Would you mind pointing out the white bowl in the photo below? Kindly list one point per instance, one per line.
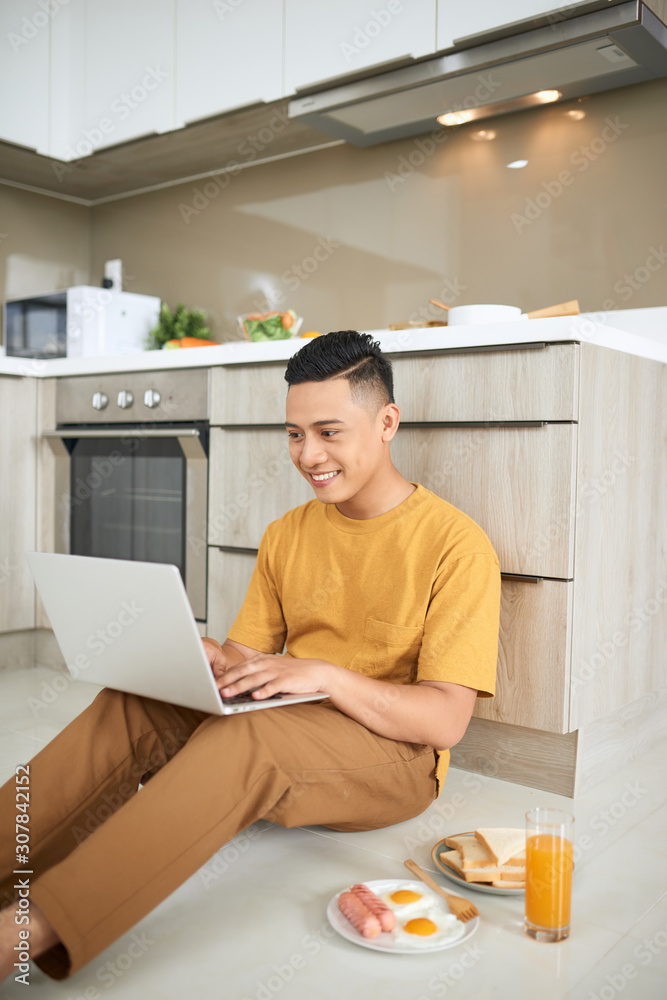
(464, 315)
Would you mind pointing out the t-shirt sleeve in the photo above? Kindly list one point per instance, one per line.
(460, 642)
(260, 623)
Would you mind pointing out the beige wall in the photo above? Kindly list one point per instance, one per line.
(44, 243)
(393, 225)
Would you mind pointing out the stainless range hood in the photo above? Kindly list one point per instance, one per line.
(586, 54)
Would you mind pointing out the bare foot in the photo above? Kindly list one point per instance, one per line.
(20, 939)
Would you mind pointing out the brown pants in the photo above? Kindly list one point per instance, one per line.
(103, 857)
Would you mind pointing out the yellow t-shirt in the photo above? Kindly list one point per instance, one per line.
(411, 595)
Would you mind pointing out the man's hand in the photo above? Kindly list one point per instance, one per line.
(266, 674)
(216, 657)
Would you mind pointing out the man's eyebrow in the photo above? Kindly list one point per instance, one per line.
(318, 423)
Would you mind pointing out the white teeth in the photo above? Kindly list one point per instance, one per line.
(325, 475)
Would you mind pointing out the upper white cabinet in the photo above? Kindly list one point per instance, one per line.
(67, 77)
(457, 20)
(24, 74)
(129, 59)
(325, 40)
(228, 54)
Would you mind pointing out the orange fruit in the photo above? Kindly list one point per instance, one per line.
(311, 333)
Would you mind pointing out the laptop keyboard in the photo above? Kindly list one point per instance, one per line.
(246, 698)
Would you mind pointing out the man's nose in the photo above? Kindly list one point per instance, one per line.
(313, 452)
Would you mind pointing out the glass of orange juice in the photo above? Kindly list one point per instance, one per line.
(549, 848)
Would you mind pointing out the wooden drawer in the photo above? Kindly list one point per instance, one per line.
(533, 679)
(517, 483)
(532, 687)
(228, 578)
(248, 394)
(525, 384)
(252, 481)
(530, 384)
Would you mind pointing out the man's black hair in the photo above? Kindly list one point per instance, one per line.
(345, 354)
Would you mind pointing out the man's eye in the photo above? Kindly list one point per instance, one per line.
(329, 433)
(293, 434)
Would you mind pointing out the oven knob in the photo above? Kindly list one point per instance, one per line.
(151, 398)
(100, 400)
(125, 399)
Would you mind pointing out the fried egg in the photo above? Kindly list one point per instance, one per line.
(406, 899)
(428, 929)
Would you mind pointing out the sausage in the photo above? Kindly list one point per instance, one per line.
(385, 915)
(359, 916)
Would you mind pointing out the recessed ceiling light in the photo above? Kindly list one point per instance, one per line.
(575, 114)
(483, 135)
(547, 96)
(517, 164)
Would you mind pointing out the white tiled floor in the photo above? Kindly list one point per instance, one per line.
(251, 924)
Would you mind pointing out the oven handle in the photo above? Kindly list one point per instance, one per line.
(188, 438)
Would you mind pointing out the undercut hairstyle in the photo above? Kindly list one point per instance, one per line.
(349, 355)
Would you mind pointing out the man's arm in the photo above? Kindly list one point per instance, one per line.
(435, 713)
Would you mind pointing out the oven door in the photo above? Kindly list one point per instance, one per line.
(135, 493)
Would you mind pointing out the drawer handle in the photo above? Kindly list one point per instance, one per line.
(520, 576)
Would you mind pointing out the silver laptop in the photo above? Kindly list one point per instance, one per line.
(128, 625)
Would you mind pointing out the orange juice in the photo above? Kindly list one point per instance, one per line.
(548, 881)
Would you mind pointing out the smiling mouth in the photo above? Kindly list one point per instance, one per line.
(323, 476)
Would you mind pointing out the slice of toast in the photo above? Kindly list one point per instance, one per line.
(508, 885)
(473, 853)
(513, 873)
(502, 843)
(454, 860)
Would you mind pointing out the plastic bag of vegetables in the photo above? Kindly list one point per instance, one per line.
(274, 325)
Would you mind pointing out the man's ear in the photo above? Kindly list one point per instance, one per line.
(391, 418)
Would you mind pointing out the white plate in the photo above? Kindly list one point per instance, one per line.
(453, 877)
(386, 941)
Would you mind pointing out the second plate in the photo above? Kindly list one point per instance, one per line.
(449, 873)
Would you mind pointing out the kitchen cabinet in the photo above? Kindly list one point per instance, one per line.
(67, 78)
(227, 55)
(553, 450)
(129, 72)
(325, 41)
(18, 415)
(458, 20)
(24, 75)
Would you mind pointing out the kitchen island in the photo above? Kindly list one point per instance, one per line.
(551, 434)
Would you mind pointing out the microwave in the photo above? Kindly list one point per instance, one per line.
(83, 321)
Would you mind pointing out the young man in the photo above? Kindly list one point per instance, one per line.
(387, 599)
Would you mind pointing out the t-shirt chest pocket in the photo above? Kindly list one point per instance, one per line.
(388, 652)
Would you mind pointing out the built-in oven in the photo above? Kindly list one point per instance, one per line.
(132, 470)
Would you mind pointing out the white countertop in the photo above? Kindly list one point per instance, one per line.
(584, 328)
